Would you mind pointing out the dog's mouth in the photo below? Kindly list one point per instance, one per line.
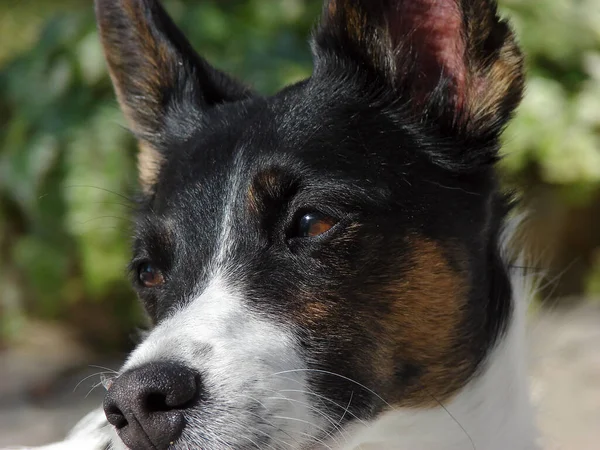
(166, 405)
(192, 430)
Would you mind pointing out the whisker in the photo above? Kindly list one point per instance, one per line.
(316, 410)
(347, 408)
(93, 387)
(322, 397)
(250, 427)
(248, 439)
(310, 436)
(254, 400)
(106, 227)
(316, 439)
(194, 437)
(268, 422)
(451, 416)
(106, 217)
(101, 189)
(522, 267)
(556, 278)
(295, 419)
(311, 407)
(130, 207)
(337, 375)
(104, 368)
(86, 378)
(454, 188)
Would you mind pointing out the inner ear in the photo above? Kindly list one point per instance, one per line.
(162, 85)
(450, 60)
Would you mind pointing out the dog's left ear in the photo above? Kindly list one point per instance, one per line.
(163, 86)
(455, 63)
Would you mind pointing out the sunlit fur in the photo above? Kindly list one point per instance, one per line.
(398, 326)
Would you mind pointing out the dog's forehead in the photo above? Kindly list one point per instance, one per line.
(304, 129)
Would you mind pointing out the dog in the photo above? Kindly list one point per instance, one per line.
(327, 267)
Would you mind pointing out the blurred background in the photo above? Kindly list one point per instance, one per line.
(67, 173)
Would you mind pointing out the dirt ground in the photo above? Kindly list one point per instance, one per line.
(38, 403)
(565, 362)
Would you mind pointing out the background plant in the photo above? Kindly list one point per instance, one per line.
(67, 169)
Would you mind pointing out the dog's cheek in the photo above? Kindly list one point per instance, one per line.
(340, 325)
(398, 339)
(424, 351)
(339, 342)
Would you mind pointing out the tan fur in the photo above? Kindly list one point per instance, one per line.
(356, 22)
(156, 70)
(494, 83)
(264, 185)
(427, 310)
(252, 200)
(332, 7)
(315, 311)
(149, 162)
(139, 94)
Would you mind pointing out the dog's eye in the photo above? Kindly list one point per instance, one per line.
(149, 275)
(314, 224)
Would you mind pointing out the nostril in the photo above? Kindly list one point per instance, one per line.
(115, 417)
(156, 402)
(181, 395)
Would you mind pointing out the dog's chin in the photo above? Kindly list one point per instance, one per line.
(201, 432)
(249, 440)
(248, 429)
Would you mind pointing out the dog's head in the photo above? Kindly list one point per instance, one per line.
(315, 258)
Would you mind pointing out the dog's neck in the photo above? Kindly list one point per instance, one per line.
(492, 412)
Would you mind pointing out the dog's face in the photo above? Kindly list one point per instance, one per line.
(317, 257)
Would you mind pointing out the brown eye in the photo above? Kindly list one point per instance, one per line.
(149, 275)
(313, 224)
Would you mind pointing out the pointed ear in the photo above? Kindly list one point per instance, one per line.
(162, 85)
(450, 60)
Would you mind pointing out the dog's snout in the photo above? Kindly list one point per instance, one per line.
(146, 404)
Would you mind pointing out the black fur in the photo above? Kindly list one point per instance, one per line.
(347, 143)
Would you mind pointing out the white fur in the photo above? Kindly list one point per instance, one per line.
(221, 260)
(91, 433)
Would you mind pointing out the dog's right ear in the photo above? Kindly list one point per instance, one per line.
(162, 84)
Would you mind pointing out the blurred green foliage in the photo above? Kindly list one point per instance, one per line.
(558, 124)
(67, 167)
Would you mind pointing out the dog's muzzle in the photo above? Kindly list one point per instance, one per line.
(146, 404)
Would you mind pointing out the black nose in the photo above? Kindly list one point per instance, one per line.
(146, 404)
